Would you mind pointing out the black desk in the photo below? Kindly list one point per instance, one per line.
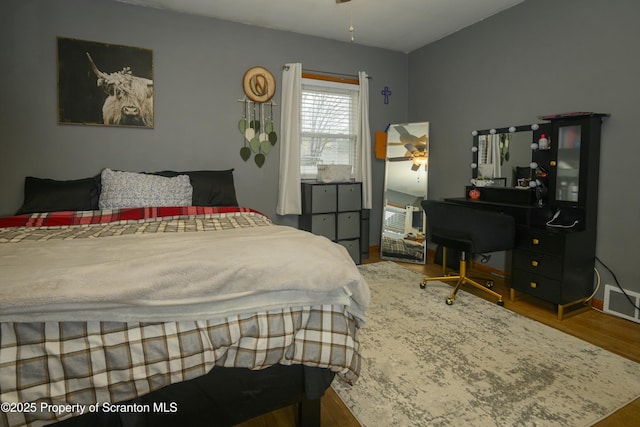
(523, 214)
(550, 263)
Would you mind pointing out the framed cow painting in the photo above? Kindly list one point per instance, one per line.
(104, 84)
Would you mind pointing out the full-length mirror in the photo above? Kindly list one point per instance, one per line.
(406, 172)
(503, 159)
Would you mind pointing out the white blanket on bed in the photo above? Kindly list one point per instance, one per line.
(176, 276)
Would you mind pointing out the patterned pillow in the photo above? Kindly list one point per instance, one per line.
(210, 187)
(138, 190)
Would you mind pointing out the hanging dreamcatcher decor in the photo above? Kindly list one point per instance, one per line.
(256, 125)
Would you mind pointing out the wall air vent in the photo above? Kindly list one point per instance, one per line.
(617, 304)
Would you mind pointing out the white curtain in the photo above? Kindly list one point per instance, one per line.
(494, 155)
(363, 150)
(289, 197)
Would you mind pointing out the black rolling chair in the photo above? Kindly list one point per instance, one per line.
(469, 231)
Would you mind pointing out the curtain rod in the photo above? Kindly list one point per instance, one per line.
(329, 73)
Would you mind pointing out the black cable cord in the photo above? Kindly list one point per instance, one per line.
(618, 283)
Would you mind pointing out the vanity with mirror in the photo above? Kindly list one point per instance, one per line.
(406, 173)
(504, 166)
(546, 176)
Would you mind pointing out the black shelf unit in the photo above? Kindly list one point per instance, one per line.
(554, 257)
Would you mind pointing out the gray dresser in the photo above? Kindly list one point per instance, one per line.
(335, 211)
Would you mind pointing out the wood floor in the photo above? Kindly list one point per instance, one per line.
(609, 332)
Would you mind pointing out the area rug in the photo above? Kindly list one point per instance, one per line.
(474, 363)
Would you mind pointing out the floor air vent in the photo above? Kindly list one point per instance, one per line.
(617, 304)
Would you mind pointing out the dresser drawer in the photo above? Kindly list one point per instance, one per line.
(349, 197)
(538, 263)
(348, 225)
(540, 240)
(324, 225)
(353, 247)
(537, 285)
(322, 198)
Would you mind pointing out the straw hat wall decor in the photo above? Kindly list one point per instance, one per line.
(259, 84)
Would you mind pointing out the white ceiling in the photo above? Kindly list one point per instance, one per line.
(400, 25)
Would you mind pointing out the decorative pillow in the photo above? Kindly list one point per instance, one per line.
(49, 195)
(210, 188)
(138, 190)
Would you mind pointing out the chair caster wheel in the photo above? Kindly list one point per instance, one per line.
(449, 301)
(423, 285)
(501, 303)
(489, 284)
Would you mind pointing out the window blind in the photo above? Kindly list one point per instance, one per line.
(394, 219)
(328, 126)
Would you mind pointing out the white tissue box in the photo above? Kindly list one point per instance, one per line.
(334, 173)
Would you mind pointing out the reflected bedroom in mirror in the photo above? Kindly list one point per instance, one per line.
(406, 173)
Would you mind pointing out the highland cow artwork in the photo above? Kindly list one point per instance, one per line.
(104, 84)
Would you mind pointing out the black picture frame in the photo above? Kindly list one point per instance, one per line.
(104, 84)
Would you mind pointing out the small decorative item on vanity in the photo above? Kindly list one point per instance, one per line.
(543, 142)
(474, 194)
(256, 125)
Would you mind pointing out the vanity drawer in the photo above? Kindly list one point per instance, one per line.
(538, 262)
(537, 285)
(324, 225)
(540, 240)
(353, 247)
(322, 198)
(349, 197)
(348, 225)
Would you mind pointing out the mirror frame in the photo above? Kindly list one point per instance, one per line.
(538, 179)
(421, 238)
(506, 130)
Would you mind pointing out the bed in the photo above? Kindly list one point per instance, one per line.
(186, 310)
(401, 248)
(403, 233)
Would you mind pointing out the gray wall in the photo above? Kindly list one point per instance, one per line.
(541, 57)
(198, 67)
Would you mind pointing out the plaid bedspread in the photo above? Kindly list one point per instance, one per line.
(78, 364)
(401, 247)
(81, 224)
(89, 363)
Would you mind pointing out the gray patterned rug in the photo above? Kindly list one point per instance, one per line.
(474, 363)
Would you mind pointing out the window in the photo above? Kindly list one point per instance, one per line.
(483, 149)
(394, 220)
(328, 126)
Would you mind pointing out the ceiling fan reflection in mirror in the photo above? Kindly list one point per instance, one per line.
(416, 147)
